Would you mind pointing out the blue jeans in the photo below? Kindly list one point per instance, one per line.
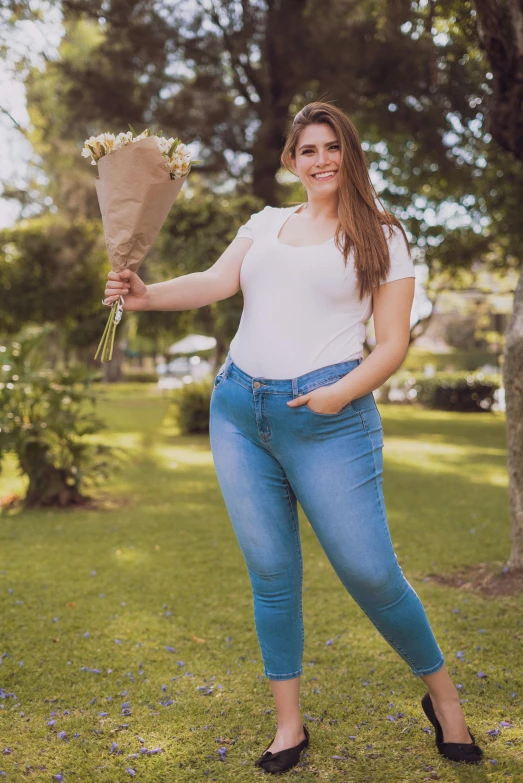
(267, 456)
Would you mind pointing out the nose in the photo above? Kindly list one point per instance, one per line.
(323, 158)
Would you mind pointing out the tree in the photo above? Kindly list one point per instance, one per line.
(500, 33)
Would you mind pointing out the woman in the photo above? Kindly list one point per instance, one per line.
(293, 417)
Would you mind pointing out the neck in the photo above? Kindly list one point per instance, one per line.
(322, 207)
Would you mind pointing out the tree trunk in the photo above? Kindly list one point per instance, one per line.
(513, 382)
(48, 486)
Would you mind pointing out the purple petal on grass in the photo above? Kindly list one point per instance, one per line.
(141, 739)
(400, 715)
(482, 674)
(125, 704)
(341, 758)
(7, 751)
(61, 735)
(330, 641)
(391, 717)
(164, 688)
(169, 648)
(55, 619)
(132, 756)
(117, 641)
(180, 663)
(131, 771)
(459, 685)
(51, 722)
(93, 573)
(103, 714)
(493, 761)
(351, 736)
(58, 777)
(494, 732)
(154, 751)
(86, 634)
(2, 772)
(114, 745)
(505, 724)
(426, 730)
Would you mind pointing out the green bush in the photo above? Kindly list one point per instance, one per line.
(135, 376)
(44, 422)
(448, 391)
(190, 406)
(454, 361)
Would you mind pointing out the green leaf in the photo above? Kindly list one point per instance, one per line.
(133, 131)
(102, 148)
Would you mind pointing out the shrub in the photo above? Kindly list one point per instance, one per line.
(449, 391)
(44, 422)
(135, 376)
(190, 406)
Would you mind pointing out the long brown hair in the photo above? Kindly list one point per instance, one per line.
(360, 220)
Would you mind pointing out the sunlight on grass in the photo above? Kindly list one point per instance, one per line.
(134, 626)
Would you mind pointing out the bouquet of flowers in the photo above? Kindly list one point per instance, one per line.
(136, 188)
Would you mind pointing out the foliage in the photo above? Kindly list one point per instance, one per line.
(416, 360)
(190, 407)
(52, 270)
(447, 391)
(44, 421)
(137, 376)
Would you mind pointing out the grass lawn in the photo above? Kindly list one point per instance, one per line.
(130, 629)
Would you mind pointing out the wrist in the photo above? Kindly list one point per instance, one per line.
(147, 305)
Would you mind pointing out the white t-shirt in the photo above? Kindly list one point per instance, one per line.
(301, 309)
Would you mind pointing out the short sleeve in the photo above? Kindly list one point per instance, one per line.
(255, 225)
(401, 264)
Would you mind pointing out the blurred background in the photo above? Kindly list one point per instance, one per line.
(226, 77)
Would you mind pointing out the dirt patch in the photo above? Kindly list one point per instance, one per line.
(490, 579)
(11, 504)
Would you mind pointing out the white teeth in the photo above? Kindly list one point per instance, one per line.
(327, 175)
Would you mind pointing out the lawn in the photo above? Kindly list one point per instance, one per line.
(128, 648)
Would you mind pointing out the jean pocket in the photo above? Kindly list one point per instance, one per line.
(329, 382)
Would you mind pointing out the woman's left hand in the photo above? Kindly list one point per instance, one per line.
(324, 400)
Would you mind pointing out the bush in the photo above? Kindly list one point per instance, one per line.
(135, 376)
(43, 420)
(190, 406)
(448, 391)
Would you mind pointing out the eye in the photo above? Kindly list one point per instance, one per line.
(334, 146)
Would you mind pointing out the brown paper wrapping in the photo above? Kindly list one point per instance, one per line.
(135, 193)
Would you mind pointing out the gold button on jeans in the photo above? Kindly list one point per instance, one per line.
(256, 384)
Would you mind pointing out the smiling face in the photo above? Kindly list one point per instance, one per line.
(317, 159)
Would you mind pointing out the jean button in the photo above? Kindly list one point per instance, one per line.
(256, 384)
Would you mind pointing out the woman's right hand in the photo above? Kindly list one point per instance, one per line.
(128, 285)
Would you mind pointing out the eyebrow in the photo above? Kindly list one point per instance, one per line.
(327, 144)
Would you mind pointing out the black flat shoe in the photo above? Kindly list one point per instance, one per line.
(282, 759)
(455, 751)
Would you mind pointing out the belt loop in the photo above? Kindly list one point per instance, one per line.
(228, 361)
(294, 388)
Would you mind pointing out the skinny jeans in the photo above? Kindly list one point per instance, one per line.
(267, 457)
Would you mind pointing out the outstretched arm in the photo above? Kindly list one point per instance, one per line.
(185, 292)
